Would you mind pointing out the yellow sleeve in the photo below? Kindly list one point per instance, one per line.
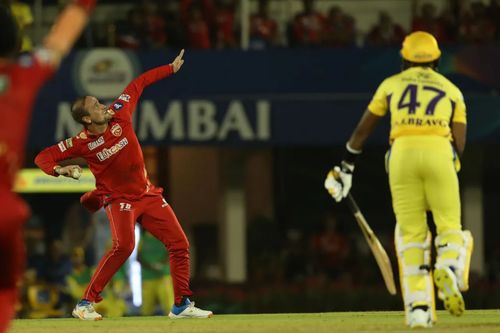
(378, 105)
(27, 16)
(459, 114)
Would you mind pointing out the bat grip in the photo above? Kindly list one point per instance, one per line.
(353, 206)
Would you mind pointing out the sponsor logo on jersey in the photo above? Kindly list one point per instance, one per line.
(116, 130)
(124, 97)
(82, 136)
(108, 152)
(69, 142)
(94, 144)
(62, 147)
(117, 106)
(125, 207)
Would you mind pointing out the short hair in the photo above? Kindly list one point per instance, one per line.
(78, 110)
(9, 33)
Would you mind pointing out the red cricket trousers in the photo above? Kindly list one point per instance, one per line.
(157, 217)
(13, 214)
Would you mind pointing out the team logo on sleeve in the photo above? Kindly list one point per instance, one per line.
(117, 106)
(116, 130)
(62, 147)
(124, 97)
(69, 142)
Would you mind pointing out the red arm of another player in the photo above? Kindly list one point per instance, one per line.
(48, 159)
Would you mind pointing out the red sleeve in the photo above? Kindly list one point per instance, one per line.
(48, 158)
(124, 106)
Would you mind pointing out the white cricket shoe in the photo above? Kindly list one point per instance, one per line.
(446, 282)
(420, 319)
(84, 310)
(188, 311)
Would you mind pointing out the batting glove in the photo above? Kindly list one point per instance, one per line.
(345, 174)
(338, 182)
(334, 186)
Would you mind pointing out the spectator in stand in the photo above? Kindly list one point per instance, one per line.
(155, 24)
(494, 13)
(78, 229)
(331, 248)
(385, 32)
(225, 12)
(198, 33)
(428, 21)
(294, 256)
(157, 287)
(206, 7)
(133, 33)
(340, 29)
(308, 27)
(173, 25)
(57, 265)
(476, 25)
(80, 274)
(263, 29)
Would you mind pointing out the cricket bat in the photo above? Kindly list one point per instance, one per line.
(377, 249)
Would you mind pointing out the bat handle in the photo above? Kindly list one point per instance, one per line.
(353, 206)
(352, 203)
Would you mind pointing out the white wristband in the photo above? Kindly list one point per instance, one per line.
(352, 150)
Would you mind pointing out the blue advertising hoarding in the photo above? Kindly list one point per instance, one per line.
(279, 97)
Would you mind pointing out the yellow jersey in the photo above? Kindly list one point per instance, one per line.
(421, 102)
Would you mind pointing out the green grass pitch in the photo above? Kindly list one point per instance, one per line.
(478, 321)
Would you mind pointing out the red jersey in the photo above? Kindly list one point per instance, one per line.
(115, 156)
(19, 85)
(309, 29)
(198, 34)
(262, 27)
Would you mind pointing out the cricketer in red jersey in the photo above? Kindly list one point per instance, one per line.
(20, 80)
(110, 146)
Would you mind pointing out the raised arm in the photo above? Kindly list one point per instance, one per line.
(124, 106)
(49, 158)
(67, 29)
(136, 87)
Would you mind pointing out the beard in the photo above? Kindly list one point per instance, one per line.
(107, 117)
(101, 122)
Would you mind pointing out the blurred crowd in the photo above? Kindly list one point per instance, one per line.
(326, 254)
(62, 256)
(215, 24)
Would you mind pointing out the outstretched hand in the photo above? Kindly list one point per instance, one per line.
(178, 61)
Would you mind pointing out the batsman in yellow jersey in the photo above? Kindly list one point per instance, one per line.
(428, 126)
